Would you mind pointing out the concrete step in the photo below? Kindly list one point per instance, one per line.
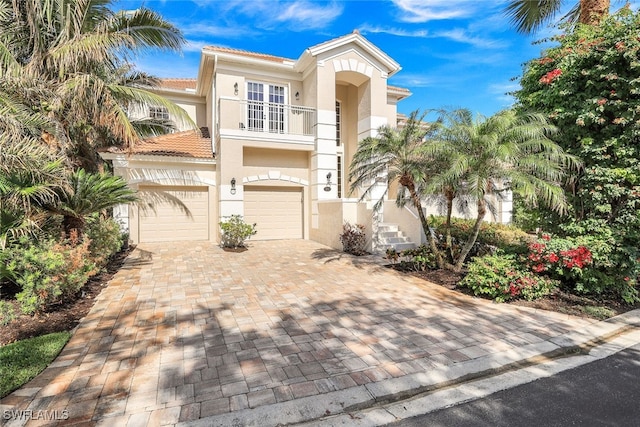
(388, 227)
(384, 234)
(395, 239)
(399, 247)
(390, 236)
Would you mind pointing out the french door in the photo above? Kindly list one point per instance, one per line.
(266, 107)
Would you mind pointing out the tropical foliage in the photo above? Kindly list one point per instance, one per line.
(529, 15)
(397, 155)
(492, 156)
(588, 85)
(458, 156)
(86, 194)
(67, 87)
(66, 61)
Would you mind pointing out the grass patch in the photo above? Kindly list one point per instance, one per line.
(21, 361)
(601, 313)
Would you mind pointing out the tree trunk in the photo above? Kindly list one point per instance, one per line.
(482, 210)
(593, 11)
(415, 198)
(449, 195)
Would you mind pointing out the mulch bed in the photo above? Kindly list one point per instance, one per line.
(58, 318)
(559, 301)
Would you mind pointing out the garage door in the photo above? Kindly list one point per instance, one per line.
(174, 213)
(276, 210)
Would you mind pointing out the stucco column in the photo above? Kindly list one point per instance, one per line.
(230, 197)
(121, 212)
(323, 158)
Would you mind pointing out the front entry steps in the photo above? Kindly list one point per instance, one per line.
(390, 236)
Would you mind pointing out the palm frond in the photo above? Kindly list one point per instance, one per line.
(527, 16)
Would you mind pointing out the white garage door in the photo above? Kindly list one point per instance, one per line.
(276, 210)
(173, 213)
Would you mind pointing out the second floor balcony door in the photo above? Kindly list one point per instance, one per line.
(266, 115)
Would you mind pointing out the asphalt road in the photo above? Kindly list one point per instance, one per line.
(602, 393)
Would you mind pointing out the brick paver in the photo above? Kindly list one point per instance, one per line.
(187, 330)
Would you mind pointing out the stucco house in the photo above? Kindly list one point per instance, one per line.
(275, 141)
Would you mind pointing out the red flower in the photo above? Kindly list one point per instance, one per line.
(553, 257)
(538, 268)
(546, 237)
(550, 76)
(602, 101)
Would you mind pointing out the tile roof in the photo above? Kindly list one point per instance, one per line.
(190, 143)
(178, 84)
(398, 89)
(249, 54)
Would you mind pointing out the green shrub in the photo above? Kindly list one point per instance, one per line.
(7, 314)
(106, 238)
(416, 259)
(353, 239)
(235, 232)
(502, 278)
(507, 238)
(49, 272)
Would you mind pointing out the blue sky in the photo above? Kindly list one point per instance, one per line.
(453, 53)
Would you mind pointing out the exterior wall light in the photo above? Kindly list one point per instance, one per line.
(328, 186)
(297, 96)
(235, 88)
(233, 186)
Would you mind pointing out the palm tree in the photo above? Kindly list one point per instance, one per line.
(397, 156)
(86, 194)
(489, 156)
(529, 15)
(29, 177)
(79, 51)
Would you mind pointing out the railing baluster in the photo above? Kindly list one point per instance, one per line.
(268, 117)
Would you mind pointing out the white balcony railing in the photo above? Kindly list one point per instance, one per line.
(266, 117)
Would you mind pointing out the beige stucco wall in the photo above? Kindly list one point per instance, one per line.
(329, 225)
(407, 220)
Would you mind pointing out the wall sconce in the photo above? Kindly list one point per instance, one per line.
(233, 186)
(235, 88)
(328, 186)
(297, 96)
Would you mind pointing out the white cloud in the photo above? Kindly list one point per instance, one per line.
(204, 29)
(195, 45)
(415, 11)
(297, 15)
(416, 80)
(400, 32)
(304, 15)
(457, 34)
(462, 36)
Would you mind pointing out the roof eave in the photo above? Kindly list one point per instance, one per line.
(141, 157)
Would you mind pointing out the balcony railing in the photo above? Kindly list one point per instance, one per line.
(266, 117)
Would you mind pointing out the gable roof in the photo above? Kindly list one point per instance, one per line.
(356, 38)
(178, 84)
(248, 54)
(190, 143)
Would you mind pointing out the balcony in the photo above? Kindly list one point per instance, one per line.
(257, 119)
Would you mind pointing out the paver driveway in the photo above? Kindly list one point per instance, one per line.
(187, 330)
